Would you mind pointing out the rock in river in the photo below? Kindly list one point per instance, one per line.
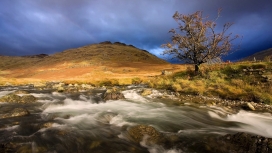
(16, 112)
(239, 143)
(10, 98)
(139, 132)
(146, 92)
(113, 95)
(248, 106)
(244, 142)
(28, 99)
(18, 99)
(21, 92)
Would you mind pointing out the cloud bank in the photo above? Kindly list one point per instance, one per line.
(48, 26)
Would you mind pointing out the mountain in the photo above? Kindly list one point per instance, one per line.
(259, 55)
(104, 53)
(108, 53)
(95, 61)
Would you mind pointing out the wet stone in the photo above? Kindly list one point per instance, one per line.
(242, 142)
(21, 92)
(10, 98)
(28, 99)
(16, 113)
(8, 147)
(146, 92)
(115, 95)
(139, 132)
(18, 99)
(47, 125)
(248, 106)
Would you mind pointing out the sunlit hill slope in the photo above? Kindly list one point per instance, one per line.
(89, 63)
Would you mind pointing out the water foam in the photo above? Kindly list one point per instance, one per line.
(156, 148)
(256, 123)
(133, 95)
(136, 109)
(3, 93)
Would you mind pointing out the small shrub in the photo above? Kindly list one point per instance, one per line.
(104, 83)
(267, 58)
(108, 82)
(176, 87)
(229, 70)
(267, 98)
(259, 66)
(136, 81)
(241, 67)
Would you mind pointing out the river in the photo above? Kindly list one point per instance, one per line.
(82, 122)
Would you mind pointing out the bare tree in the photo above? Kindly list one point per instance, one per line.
(196, 41)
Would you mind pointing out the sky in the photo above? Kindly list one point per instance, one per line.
(29, 27)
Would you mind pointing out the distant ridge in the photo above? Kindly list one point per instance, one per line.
(108, 52)
(104, 53)
(259, 55)
(91, 63)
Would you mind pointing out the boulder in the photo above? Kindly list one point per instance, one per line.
(146, 92)
(16, 113)
(28, 99)
(248, 106)
(18, 99)
(244, 142)
(231, 143)
(113, 95)
(10, 98)
(60, 89)
(106, 118)
(87, 86)
(46, 125)
(145, 133)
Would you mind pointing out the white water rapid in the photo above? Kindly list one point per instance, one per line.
(81, 122)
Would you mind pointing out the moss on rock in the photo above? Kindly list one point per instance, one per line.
(139, 132)
(18, 99)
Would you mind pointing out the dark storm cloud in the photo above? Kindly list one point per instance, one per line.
(47, 26)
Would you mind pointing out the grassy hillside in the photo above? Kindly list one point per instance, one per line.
(107, 53)
(259, 55)
(88, 64)
(96, 54)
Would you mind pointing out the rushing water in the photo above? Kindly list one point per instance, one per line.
(82, 122)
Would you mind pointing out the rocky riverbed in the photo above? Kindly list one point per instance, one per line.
(58, 117)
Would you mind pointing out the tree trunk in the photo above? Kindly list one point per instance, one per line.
(196, 68)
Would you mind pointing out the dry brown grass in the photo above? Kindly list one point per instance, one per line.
(227, 81)
(94, 64)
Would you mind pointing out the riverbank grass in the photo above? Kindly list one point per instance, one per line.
(246, 81)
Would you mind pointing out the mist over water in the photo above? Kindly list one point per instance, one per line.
(80, 122)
